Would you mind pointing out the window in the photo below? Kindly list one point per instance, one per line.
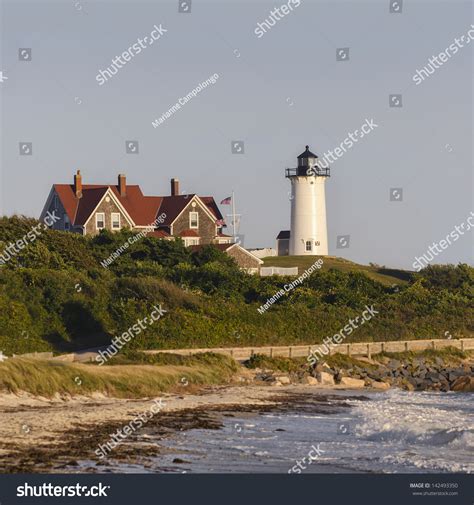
(191, 241)
(100, 221)
(193, 220)
(55, 202)
(66, 223)
(308, 245)
(115, 221)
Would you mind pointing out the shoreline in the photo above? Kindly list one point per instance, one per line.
(53, 435)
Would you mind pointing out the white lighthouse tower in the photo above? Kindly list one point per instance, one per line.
(308, 234)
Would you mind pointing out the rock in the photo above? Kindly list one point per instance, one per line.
(311, 380)
(406, 384)
(394, 364)
(465, 384)
(276, 383)
(283, 379)
(326, 379)
(352, 383)
(379, 385)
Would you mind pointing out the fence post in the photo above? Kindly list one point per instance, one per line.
(462, 345)
(433, 344)
(289, 351)
(406, 346)
(368, 351)
(349, 349)
(271, 352)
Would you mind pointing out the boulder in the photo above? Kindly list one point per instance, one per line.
(394, 364)
(379, 385)
(465, 384)
(406, 384)
(326, 379)
(352, 383)
(283, 379)
(311, 380)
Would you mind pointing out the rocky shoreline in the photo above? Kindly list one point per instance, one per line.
(416, 373)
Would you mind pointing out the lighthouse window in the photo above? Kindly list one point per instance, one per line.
(308, 245)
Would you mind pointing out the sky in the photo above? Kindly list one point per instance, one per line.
(315, 76)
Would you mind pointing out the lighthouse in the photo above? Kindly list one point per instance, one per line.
(308, 234)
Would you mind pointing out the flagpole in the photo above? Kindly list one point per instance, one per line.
(233, 214)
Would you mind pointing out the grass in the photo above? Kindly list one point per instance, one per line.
(138, 380)
(447, 354)
(277, 363)
(381, 274)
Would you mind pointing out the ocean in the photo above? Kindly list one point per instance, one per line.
(390, 432)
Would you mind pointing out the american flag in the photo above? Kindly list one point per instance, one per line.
(226, 201)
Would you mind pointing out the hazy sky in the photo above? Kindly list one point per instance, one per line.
(275, 93)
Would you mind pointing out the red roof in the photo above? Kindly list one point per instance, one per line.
(188, 233)
(143, 210)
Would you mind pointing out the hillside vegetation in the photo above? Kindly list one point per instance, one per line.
(383, 275)
(55, 295)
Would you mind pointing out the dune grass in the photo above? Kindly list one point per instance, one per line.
(447, 354)
(48, 377)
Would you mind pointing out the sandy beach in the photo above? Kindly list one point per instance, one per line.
(40, 434)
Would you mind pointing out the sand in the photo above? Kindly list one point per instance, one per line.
(41, 434)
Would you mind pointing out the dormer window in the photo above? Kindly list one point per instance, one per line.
(100, 220)
(193, 220)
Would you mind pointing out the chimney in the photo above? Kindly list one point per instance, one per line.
(122, 184)
(174, 187)
(78, 184)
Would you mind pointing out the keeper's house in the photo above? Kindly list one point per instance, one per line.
(89, 208)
